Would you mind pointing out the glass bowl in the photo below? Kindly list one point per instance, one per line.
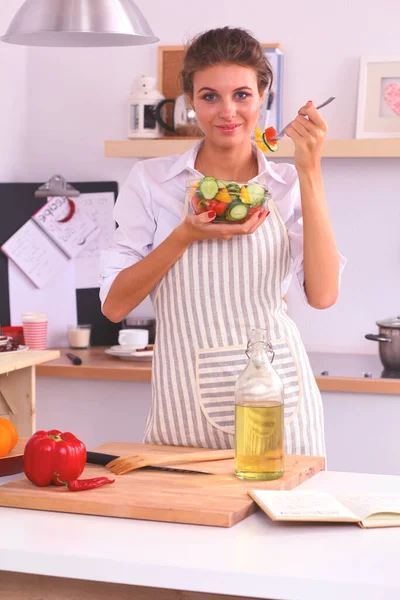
(233, 202)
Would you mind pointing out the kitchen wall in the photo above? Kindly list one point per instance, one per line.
(13, 102)
(58, 106)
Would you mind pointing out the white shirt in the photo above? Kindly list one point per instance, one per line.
(151, 202)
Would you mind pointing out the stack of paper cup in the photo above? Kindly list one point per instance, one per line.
(35, 330)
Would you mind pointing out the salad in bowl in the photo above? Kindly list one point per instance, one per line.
(233, 202)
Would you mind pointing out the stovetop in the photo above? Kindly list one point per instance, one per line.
(357, 366)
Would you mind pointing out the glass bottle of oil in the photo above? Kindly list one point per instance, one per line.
(259, 420)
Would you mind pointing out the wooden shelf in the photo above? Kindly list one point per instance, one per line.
(334, 148)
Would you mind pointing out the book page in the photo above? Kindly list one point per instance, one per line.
(99, 208)
(302, 506)
(35, 254)
(72, 236)
(364, 505)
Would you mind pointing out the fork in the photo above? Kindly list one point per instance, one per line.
(124, 464)
(280, 135)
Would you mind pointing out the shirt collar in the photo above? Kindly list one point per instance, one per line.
(186, 162)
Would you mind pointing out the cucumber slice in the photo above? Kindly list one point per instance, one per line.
(257, 194)
(237, 212)
(234, 190)
(222, 183)
(273, 146)
(208, 186)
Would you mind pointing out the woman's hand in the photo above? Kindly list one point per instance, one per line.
(308, 132)
(201, 227)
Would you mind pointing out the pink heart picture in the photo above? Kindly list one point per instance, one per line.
(392, 97)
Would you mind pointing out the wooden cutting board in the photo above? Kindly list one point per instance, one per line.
(220, 499)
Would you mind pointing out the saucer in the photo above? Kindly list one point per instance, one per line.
(129, 353)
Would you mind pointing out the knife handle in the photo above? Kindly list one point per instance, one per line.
(98, 458)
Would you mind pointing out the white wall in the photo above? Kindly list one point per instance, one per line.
(13, 101)
(76, 98)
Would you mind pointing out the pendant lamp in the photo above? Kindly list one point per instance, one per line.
(79, 23)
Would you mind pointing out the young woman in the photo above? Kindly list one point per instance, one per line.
(211, 283)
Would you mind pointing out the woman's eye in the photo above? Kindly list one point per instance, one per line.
(209, 97)
(242, 95)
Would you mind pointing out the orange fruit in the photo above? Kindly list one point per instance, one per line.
(8, 436)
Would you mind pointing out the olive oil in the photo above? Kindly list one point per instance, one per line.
(259, 440)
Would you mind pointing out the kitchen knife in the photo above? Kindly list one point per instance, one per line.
(98, 458)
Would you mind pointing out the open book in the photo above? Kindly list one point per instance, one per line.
(365, 509)
(57, 232)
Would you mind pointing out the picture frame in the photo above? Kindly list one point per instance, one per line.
(271, 116)
(378, 109)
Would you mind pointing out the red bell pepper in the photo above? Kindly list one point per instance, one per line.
(51, 456)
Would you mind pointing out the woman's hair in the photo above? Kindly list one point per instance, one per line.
(225, 45)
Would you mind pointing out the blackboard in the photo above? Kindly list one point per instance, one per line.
(17, 205)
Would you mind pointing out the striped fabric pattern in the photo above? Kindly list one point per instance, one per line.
(217, 373)
(206, 306)
(284, 364)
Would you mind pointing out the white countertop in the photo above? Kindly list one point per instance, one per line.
(256, 558)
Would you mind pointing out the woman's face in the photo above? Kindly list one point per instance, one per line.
(226, 101)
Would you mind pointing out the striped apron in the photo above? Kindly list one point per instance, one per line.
(206, 306)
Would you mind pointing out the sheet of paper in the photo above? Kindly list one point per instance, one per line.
(367, 504)
(35, 254)
(75, 234)
(57, 299)
(303, 505)
(98, 207)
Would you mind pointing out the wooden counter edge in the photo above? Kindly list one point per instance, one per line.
(137, 373)
(15, 361)
(365, 385)
(95, 365)
(112, 369)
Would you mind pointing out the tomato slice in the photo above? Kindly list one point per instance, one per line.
(270, 133)
(220, 208)
(253, 211)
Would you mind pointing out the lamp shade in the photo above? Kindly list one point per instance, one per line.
(79, 23)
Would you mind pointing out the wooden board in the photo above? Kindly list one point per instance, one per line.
(13, 463)
(220, 499)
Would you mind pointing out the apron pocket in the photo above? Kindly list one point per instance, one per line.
(286, 366)
(217, 370)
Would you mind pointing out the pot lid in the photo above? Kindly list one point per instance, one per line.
(393, 322)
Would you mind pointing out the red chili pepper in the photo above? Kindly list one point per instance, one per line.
(49, 452)
(79, 485)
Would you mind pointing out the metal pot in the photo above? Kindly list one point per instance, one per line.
(184, 121)
(389, 343)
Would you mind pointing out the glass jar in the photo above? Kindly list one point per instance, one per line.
(233, 202)
(259, 414)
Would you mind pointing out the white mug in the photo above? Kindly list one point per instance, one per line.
(138, 338)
